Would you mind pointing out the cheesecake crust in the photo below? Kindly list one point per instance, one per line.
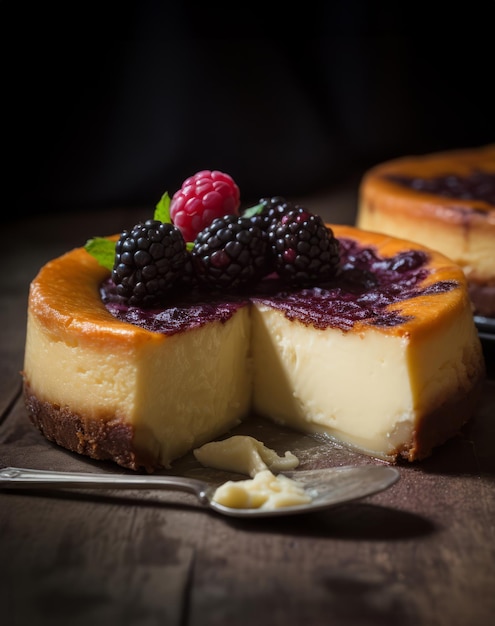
(444, 422)
(99, 439)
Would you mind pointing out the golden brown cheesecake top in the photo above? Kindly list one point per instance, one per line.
(64, 296)
(458, 184)
(385, 283)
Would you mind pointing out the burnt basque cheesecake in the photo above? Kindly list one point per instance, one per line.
(443, 200)
(363, 338)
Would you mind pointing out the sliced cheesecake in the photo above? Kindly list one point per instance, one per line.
(384, 358)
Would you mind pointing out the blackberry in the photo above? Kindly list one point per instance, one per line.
(149, 260)
(230, 253)
(272, 210)
(187, 279)
(304, 249)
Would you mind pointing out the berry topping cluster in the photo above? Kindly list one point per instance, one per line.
(201, 239)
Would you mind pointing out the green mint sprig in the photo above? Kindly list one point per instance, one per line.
(162, 213)
(103, 249)
(162, 209)
(253, 210)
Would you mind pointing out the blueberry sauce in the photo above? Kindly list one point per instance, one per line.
(364, 287)
(184, 313)
(478, 185)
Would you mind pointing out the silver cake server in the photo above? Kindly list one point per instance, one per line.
(326, 487)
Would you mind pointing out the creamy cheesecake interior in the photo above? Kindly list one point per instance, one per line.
(370, 390)
(167, 391)
(392, 384)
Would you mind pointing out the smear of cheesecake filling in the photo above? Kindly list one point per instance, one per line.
(247, 455)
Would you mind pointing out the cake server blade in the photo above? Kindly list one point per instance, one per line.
(326, 487)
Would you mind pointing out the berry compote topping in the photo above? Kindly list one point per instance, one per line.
(203, 197)
(188, 310)
(478, 185)
(362, 291)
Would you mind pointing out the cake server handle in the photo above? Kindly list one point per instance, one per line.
(17, 477)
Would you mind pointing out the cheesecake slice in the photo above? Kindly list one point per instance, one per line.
(116, 390)
(391, 381)
(384, 358)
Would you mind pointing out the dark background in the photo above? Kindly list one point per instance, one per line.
(115, 115)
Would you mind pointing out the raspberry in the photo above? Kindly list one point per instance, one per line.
(203, 197)
(304, 249)
(230, 253)
(149, 260)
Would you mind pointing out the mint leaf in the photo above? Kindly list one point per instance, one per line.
(252, 211)
(162, 210)
(103, 250)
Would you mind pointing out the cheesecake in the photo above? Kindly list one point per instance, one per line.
(445, 201)
(264, 491)
(267, 488)
(383, 357)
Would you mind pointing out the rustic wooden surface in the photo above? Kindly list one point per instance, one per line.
(421, 553)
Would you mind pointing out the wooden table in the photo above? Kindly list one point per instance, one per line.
(420, 553)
